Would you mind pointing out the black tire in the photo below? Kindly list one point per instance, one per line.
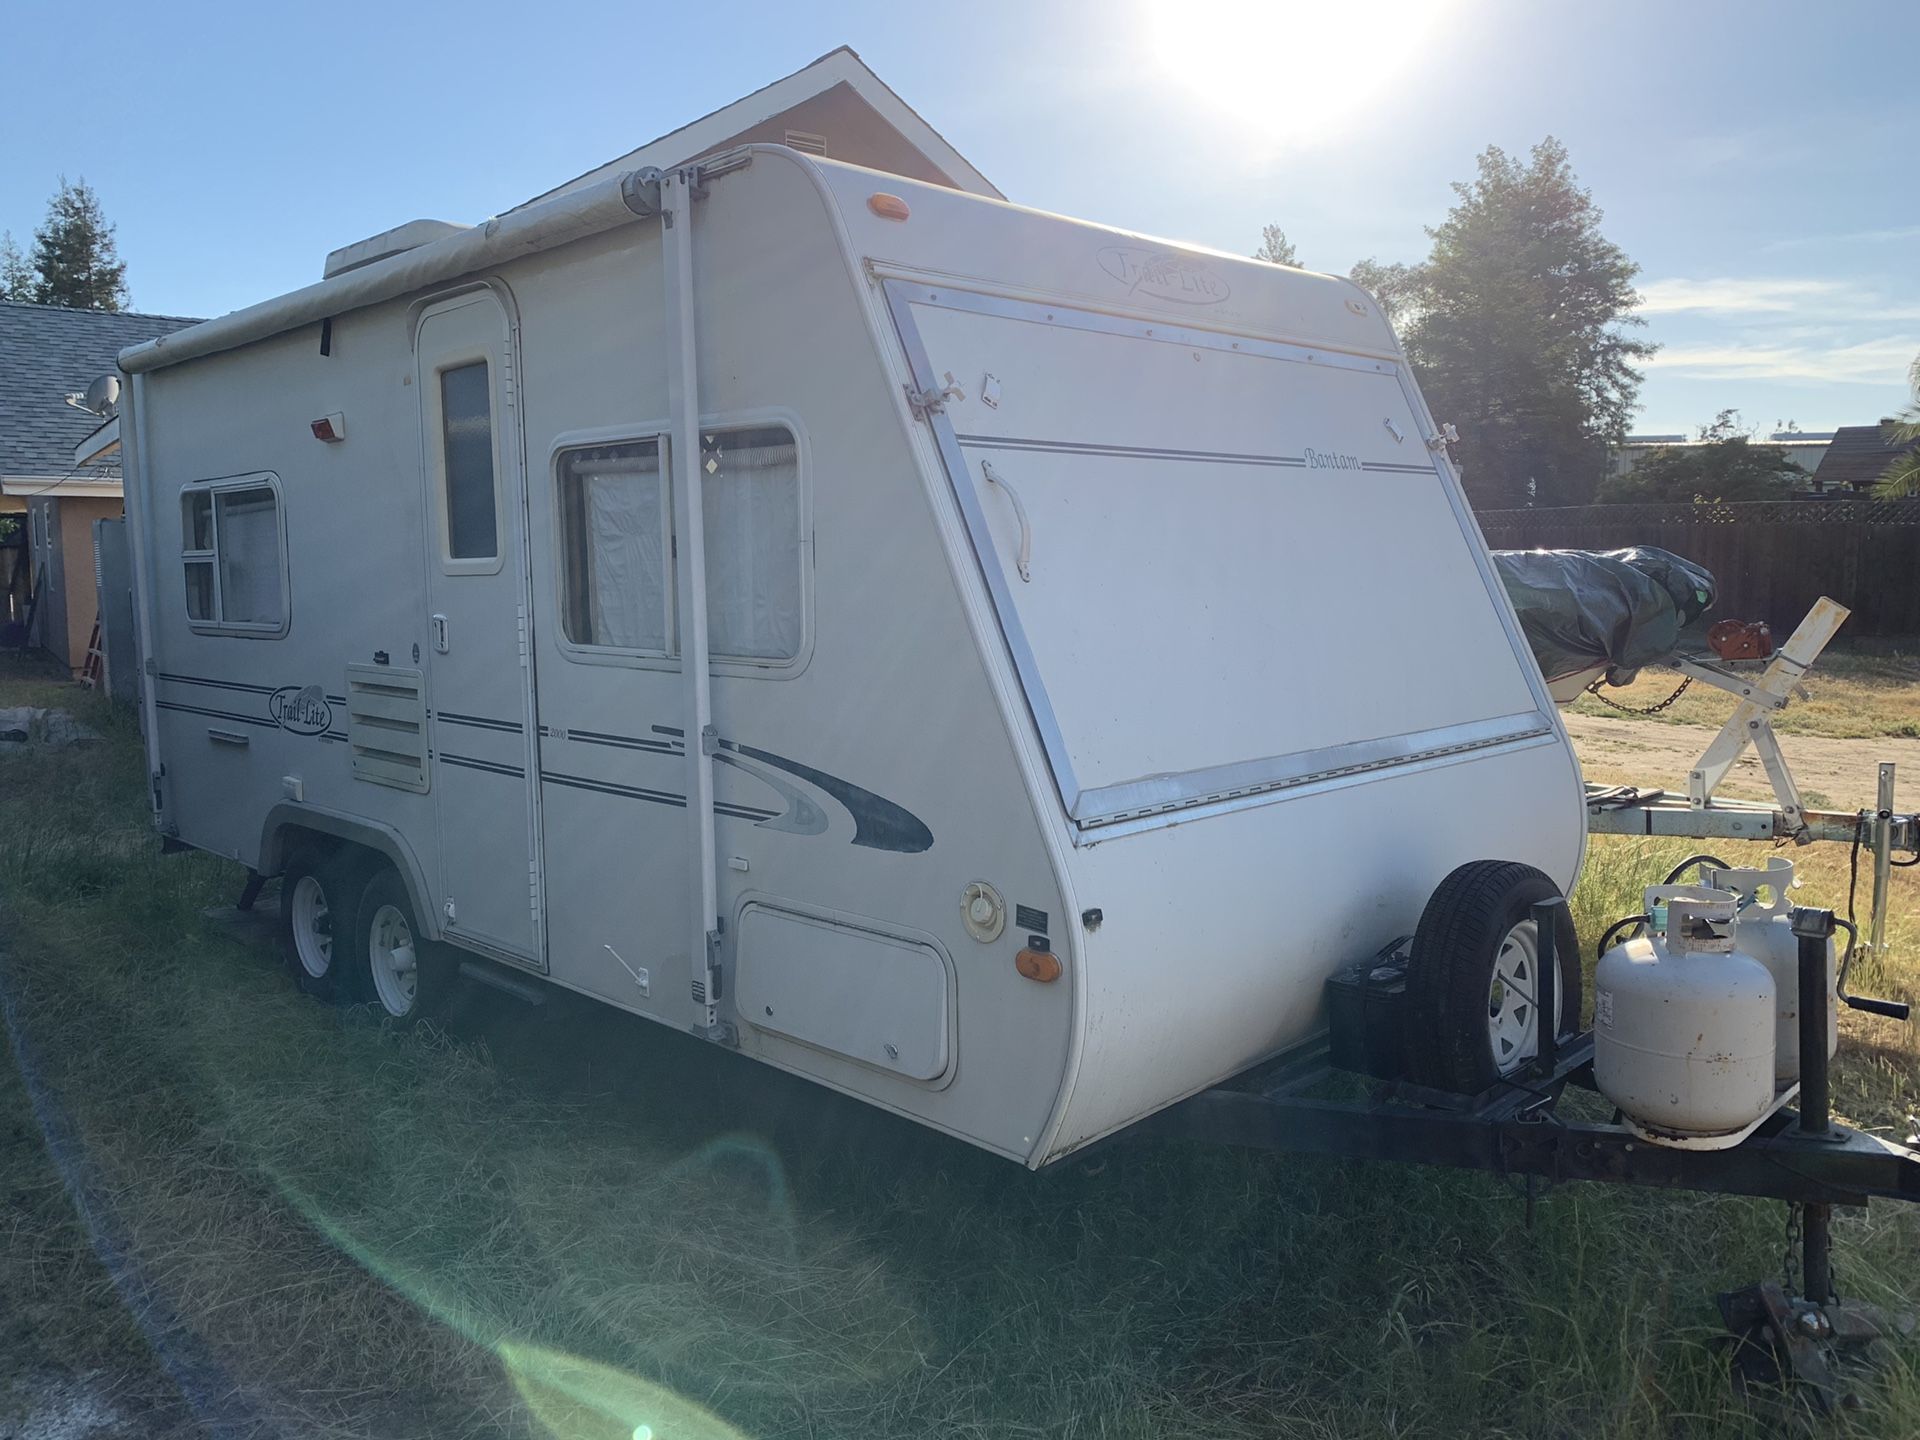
(387, 924)
(319, 898)
(1451, 1026)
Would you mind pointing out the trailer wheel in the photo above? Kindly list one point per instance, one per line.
(1474, 974)
(319, 895)
(402, 969)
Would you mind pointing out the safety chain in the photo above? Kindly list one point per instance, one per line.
(1681, 689)
(1790, 1257)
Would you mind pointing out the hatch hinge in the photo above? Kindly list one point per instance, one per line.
(933, 402)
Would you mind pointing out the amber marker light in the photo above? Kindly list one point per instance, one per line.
(887, 207)
(1040, 965)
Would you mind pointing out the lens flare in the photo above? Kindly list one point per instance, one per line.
(1279, 74)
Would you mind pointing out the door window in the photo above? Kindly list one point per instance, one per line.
(466, 431)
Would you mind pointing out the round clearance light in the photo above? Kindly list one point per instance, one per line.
(887, 207)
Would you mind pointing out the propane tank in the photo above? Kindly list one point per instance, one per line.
(1683, 1023)
(1763, 929)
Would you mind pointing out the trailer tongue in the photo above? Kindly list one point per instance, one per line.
(1516, 1127)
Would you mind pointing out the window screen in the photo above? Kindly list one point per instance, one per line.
(750, 483)
(614, 552)
(466, 422)
(231, 556)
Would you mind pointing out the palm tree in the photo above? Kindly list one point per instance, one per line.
(1903, 476)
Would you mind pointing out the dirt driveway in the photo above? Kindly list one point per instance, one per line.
(1833, 774)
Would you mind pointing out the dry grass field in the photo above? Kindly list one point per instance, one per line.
(225, 1208)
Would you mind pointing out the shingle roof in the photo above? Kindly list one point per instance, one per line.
(46, 354)
(1857, 458)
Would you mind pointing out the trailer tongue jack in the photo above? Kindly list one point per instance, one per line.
(1783, 1340)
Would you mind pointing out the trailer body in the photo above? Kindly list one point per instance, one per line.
(1063, 591)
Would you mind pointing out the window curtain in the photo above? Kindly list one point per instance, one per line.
(751, 505)
(249, 549)
(618, 489)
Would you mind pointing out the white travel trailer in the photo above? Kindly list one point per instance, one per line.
(992, 665)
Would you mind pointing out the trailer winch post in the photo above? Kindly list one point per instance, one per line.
(1813, 928)
(1882, 859)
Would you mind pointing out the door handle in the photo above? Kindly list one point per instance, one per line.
(1024, 557)
(440, 641)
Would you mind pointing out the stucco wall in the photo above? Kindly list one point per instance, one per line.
(69, 602)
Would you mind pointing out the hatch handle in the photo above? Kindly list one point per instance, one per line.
(1020, 512)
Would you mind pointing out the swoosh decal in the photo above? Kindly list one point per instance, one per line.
(801, 817)
(878, 823)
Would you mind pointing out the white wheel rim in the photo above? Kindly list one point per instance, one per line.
(395, 962)
(1512, 1024)
(312, 927)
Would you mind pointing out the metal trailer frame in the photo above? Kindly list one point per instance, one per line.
(1514, 1128)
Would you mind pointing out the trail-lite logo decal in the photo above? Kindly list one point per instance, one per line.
(1163, 275)
(1330, 460)
(303, 709)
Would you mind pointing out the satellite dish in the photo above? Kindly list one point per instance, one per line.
(103, 396)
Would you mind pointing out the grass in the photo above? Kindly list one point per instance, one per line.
(1864, 692)
(515, 1226)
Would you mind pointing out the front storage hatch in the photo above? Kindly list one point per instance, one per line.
(834, 984)
(1223, 566)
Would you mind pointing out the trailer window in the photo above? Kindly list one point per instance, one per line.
(614, 561)
(466, 427)
(232, 552)
(750, 491)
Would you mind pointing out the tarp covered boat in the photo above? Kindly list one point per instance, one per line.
(1602, 614)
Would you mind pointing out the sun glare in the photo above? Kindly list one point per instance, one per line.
(1279, 74)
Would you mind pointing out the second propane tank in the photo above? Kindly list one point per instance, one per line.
(1763, 929)
(1684, 1021)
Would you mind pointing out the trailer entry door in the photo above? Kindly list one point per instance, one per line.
(480, 687)
(1224, 567)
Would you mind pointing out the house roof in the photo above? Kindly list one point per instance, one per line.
(1858, 457)
(839, 69)
(46, 354)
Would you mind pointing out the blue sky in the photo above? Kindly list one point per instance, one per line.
(1758, 160)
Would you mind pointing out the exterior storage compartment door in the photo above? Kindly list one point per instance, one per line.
(839, 986)
(1243, 571)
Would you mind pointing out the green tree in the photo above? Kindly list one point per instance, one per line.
(1275, 248)
(74, 252)
(1516, 324)
(1727, 465)
(1395, 288)
(16, 276)
(1902, 479)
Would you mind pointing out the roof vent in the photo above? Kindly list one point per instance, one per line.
(806, 143)
(388, 243)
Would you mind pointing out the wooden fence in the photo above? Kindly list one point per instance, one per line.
(1772, 559)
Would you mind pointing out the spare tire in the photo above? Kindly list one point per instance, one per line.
(1473, 976)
